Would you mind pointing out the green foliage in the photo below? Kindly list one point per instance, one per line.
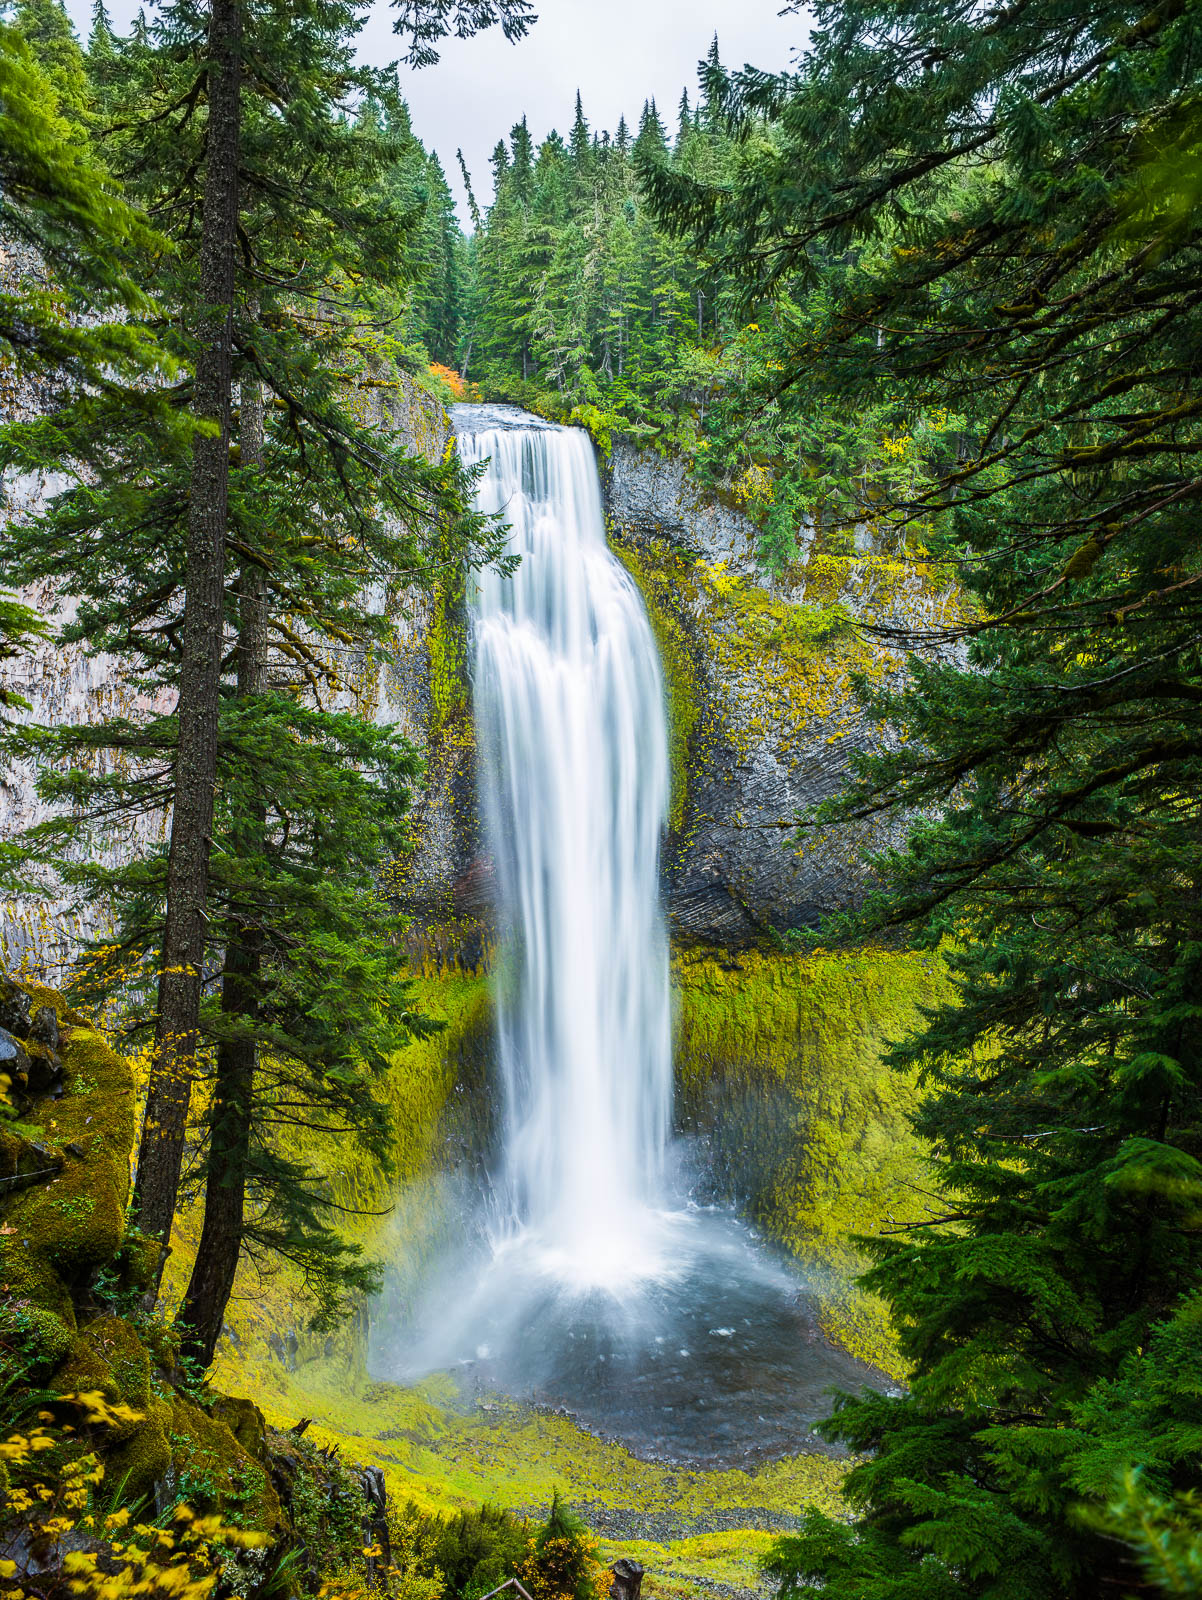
(330, 515)
(561, 1564)
(949, 218)
(580, 306)
(45, 26)
(473, 1552)
(477, 1551)
(63, 320)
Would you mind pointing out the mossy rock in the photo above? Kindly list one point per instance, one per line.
(59, 1232)
(109, 1355)
(143, 1460)
(779, 1066)
(246, 1422)
(33, 1340)
(23, 1161)
(212, 1471)
(138, 1259)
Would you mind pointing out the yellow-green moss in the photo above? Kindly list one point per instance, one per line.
(108, 1355)
(144, 1458)
(449, 693)
(779, 1060)
(56, 1232)
(705, 1562)
(447, 1451)
(213, 1470)
(654, 576)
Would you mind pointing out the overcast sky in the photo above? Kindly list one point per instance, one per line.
(617, 52)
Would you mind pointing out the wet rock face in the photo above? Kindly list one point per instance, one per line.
(651, 497)
(775, 722)
(15, 1013)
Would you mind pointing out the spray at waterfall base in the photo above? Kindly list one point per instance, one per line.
(587, 1279)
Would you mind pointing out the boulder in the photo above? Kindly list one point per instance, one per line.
(628, 1579)
(43, 1029)
(14, 1060)
(14, 1008)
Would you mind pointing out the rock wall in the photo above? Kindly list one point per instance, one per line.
(66, 685)
(764, 717)
(794, 1117)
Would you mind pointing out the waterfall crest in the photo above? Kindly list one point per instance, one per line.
(573, 761)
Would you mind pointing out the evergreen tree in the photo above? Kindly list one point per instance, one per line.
(1003, 213)
(63, 309)
(684, 123)
(322, 509)
(47, 28)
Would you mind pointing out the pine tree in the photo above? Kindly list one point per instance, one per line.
(581, 156)
(326, 509)
(1005, 217)
(684, 124)
(47, 28)
(63, 311)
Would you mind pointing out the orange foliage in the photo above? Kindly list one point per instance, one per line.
(450, 377)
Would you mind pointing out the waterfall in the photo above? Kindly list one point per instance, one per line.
(589, 1277)
(573, 768)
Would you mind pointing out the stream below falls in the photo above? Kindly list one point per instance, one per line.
(585, 1278)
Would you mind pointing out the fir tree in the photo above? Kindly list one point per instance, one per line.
(63, 312)
(1003, 214)
(320, 510)
(47, 28)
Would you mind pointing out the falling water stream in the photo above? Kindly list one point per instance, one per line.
(587, 1278)
(574, 777)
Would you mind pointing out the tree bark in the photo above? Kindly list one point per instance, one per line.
(203, 1311)
(176, 1030)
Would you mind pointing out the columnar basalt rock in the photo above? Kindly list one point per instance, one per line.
(760, 668)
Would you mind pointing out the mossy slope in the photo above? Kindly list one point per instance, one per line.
(779, 1071)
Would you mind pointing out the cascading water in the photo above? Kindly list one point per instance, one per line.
(586, 1276)
(574, 774)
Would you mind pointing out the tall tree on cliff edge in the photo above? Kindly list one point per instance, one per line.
(201, 641)
(335, 507)
(184, 941)
(1013, 197)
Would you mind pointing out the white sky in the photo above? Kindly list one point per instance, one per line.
(617, 52)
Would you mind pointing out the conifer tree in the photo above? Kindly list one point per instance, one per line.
(1009, 203)
(581, 157)
(47, 28)
(63, 310)
(326, 509)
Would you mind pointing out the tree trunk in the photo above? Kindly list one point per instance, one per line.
(161, 1153)
(203, 1311)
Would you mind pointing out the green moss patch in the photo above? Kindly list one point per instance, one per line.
(56, 1233)
(446, 1451)
(779, 1064)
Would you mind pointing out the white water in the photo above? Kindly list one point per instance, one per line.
(588, 1278)
(573, 760)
